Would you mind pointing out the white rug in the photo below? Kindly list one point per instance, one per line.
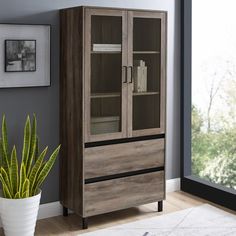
(204, 220)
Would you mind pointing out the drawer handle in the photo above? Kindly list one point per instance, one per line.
(123, 175)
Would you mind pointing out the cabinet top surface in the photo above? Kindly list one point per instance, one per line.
(115, 8)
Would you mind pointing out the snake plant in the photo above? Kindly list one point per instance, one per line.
(23, 179)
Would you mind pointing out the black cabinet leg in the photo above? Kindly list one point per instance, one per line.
(84, 223)
(160, 206)
(65, 211)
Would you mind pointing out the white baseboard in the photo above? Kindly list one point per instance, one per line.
(173, 185)
(55, 208)
(49, 210)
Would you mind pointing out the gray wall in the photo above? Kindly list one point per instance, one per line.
(17, 103)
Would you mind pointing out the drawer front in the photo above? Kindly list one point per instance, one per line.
(125, 157)
(117, 194)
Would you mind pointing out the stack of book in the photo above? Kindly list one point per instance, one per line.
(107, 47)
(140, 76)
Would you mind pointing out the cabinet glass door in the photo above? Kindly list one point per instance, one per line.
(105, 74)
(147, 68)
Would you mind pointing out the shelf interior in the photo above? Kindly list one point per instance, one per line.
(146, 34)
(105, 52)
(105, 95)
(106, 73)
(106, 29)
(145, 93)
(146, 52)
(146, 112)
(113, 95)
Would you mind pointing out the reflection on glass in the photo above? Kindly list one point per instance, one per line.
(146, 73)
(106, 61)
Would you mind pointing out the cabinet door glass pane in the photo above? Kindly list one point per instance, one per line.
(106, 76)
(146, 73)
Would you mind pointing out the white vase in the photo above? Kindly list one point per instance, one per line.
(19, 216)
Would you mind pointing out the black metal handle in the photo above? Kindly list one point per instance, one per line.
(131, 74)
(125, 68)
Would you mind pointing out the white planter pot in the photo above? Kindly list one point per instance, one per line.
(19, 216)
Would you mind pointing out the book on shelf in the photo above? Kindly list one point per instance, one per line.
(106, 47)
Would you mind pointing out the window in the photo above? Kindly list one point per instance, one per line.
(209, 117)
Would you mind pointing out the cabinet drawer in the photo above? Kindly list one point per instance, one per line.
(111, 195)
(125, 157)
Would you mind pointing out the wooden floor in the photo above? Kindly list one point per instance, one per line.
(71, 225)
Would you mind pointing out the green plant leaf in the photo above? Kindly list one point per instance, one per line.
(46, 169)
(1, 153)
(36, 150)
(6, 190)
(22, 177)
(35, 189)
(26, 144)
(25, 195)
(17, 195)
(25, 188)
(4, 158)
(35, 170)
(6, 179)
(42, 166)
(33, 146)
(4, 136)
(14, 171)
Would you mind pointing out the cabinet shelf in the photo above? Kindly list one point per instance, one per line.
(105, 95)
(146, 52)
(105, 52)
(113, 95)
(145, 93)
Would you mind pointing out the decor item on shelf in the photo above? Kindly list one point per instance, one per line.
(107, 47)
(20, 55)
(21, 182)
(140, 76)
(108, 124)
(27, 54)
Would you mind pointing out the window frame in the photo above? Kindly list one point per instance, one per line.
(191, 184)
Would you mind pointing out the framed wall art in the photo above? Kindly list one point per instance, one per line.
(25, 55)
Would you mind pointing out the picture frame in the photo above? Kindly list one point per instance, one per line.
(25, 55)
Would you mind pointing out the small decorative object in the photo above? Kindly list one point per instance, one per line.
(21, 182)
(140, 76)
(27, 54)
(20, 55)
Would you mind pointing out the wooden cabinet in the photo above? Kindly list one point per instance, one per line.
(113, 89)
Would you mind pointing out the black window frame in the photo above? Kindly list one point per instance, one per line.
(193, 185)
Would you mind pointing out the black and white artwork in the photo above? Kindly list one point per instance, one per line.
(20, 55)
(25, 55)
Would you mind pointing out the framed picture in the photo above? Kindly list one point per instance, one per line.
(20, 55)
(25, 56)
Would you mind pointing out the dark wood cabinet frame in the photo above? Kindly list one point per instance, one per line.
(113, 171)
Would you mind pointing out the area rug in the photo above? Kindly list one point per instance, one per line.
(204, 220)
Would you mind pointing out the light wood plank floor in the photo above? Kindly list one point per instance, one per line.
(71, 225)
